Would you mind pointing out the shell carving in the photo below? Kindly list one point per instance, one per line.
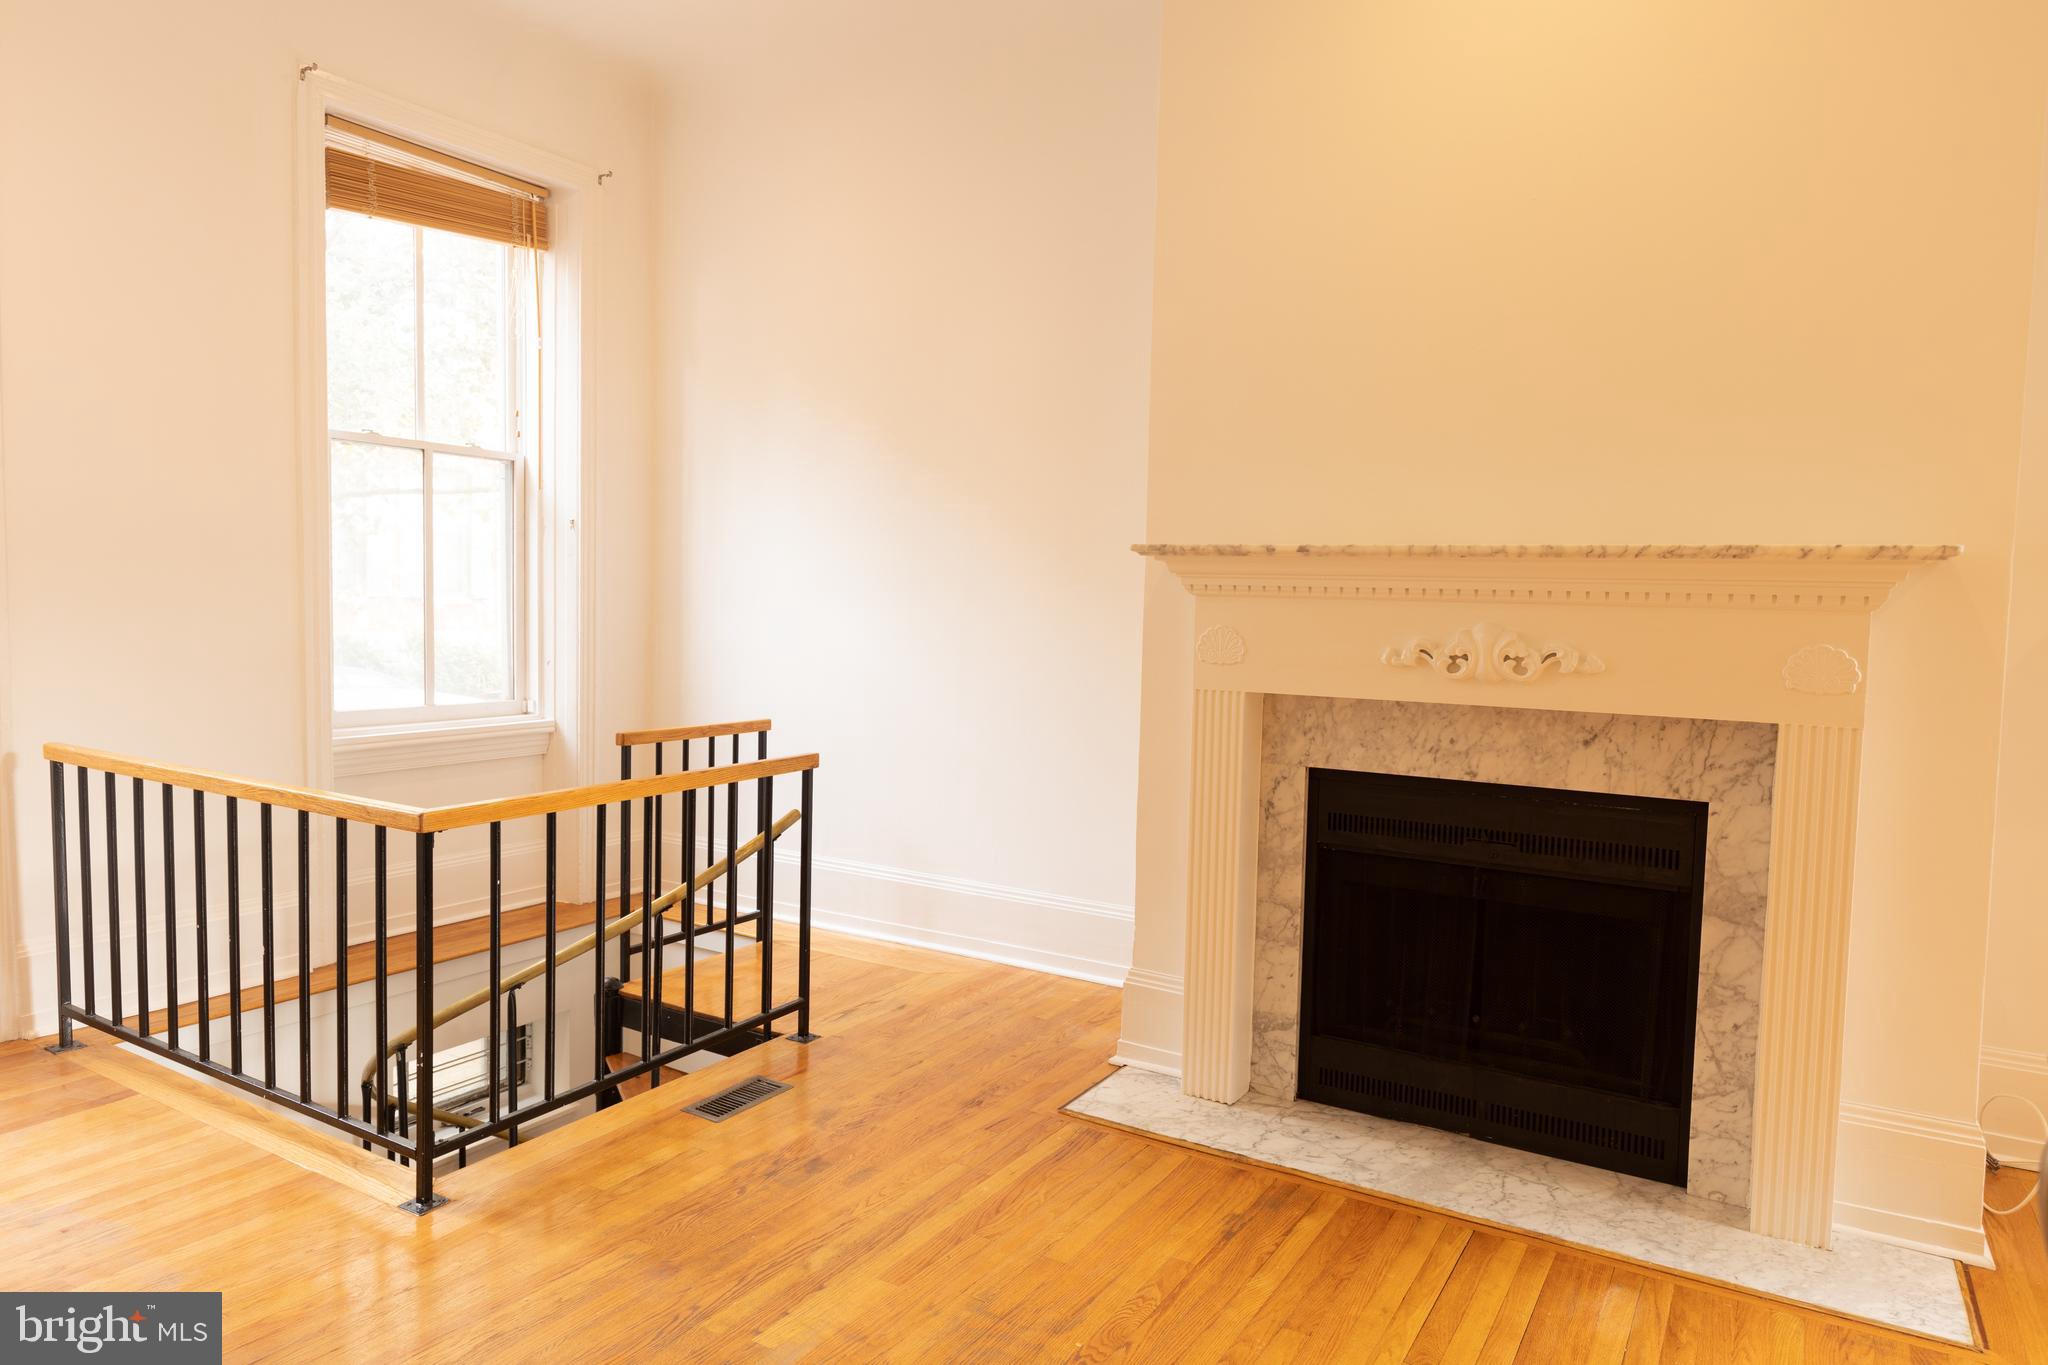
(1220, 645)
(1490, 653)
(1824, 670)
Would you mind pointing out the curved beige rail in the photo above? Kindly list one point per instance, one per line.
(482, 995)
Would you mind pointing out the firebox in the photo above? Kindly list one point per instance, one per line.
(1516, 963)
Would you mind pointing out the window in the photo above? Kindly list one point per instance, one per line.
(428, 350)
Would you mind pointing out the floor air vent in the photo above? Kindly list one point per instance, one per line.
(726, 1103)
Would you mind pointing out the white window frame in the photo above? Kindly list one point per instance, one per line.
(520, 642)
(560, 582)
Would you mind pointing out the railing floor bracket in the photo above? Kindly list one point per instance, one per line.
(415, 1207)
(71, 1046)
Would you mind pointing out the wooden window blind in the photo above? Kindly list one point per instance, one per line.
(385, 176)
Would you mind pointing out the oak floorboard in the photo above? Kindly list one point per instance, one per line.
(916, 1195)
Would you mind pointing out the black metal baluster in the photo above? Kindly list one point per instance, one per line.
(269, 954)
(60, 867)
(424, 1197)
(710, 829)
(597, 954)
(548, 1079)
(658, 825)
(496, 1021)
(235, 934)
(170, 842)
(650, 931)
(141, 915)
(803, 912)
(84, 884)
(305, 957)
(764, 901)
(341, 965)
(732, 872)
(113, 897)
(381, 928)
(655, 978)
(689, 823)
(626, 870)
(201, 943)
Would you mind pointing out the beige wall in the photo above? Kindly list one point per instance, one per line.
(904, 281)
(147, 341)
(1623, 272)
(2015, 1002)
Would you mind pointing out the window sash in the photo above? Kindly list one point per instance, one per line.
(519, 702)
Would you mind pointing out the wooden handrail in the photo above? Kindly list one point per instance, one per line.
(663, 736)
(389, 814)
(605, 793)
(514, 980)
(433, 819)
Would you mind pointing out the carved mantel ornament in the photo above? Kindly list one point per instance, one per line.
(1220, 645)
(1823, 670)
(1490, 653)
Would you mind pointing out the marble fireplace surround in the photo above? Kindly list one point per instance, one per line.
(1772, 636)
(1723, 763)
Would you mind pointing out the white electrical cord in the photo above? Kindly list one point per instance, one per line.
(2043, 1119)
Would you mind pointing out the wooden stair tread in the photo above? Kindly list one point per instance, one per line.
(710, 995)
(618, 1061)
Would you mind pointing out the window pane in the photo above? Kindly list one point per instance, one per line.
(472, 579)
(371, 325)
(465, 306)
(379, 661)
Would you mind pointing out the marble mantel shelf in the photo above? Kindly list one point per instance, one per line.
(1806, 577)
(1908, 554)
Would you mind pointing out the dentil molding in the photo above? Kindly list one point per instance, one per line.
(1796, 577)
(1488, 653)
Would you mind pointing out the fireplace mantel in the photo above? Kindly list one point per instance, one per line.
(1780, 634)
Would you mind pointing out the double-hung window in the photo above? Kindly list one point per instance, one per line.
(430, 289)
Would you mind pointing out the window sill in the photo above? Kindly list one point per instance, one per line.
(397, 748)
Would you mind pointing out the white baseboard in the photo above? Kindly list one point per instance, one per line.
(1146, 1058)
(1152, 1021)
(1063, 935)
(1916, 1180)
(2015, 1136)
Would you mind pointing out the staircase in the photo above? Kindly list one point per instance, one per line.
(674, 994)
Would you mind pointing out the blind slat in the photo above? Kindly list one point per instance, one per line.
(383, 189)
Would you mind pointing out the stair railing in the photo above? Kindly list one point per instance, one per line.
(110, 942)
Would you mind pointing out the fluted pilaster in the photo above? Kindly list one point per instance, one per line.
(1806, 956)
(1222, 884)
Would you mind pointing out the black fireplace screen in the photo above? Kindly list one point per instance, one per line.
(1517, 963)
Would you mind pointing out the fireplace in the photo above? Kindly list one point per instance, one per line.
(1516, 963)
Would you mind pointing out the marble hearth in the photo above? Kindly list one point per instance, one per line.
(1725, 764)
(1729, 674)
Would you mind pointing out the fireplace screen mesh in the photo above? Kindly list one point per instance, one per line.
(1517, 963)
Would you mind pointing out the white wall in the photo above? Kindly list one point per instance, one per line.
(904, 276)
(2015, 1001)
(147, 354)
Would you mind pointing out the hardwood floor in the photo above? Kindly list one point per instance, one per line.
(917, 1195)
